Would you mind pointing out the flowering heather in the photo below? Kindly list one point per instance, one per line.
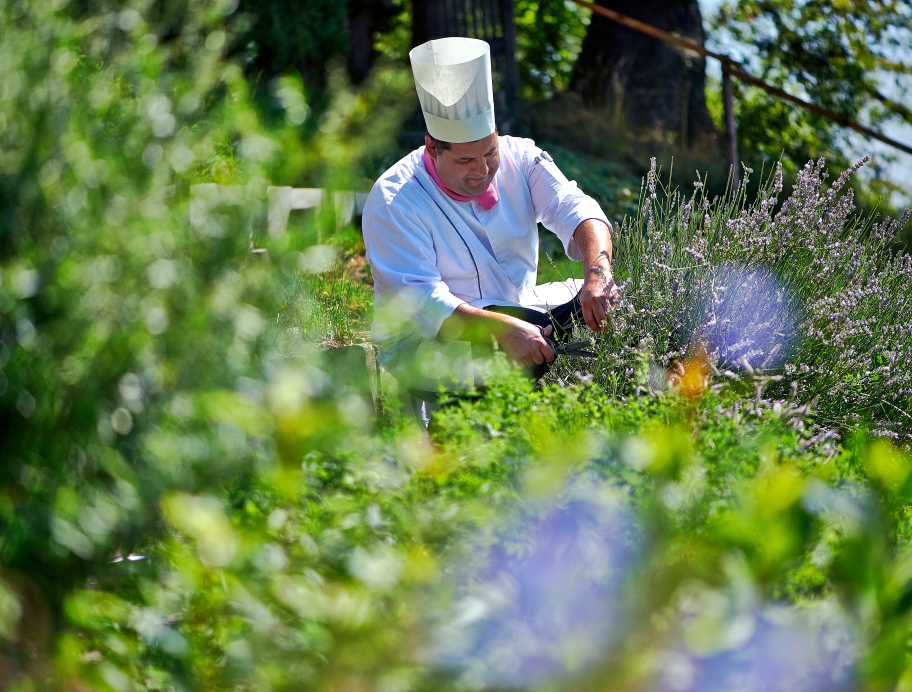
(810, 296)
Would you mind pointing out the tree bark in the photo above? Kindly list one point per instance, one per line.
(642, 80)
(365, 18)
(420, 26)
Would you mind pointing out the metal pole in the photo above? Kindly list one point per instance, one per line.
(728, 101)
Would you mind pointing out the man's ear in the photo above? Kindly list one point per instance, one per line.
(430, 146)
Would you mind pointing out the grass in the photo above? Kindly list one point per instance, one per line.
(335, 305)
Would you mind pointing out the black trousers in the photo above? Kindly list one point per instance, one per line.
(561, 318)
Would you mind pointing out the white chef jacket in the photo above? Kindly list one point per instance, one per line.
(428, 256)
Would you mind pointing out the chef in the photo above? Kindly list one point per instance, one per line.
(451, 233)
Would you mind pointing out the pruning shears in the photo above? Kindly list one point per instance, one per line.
(577, 348)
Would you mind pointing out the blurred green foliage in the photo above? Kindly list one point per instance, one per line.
(282, 36)
(549, 36)
(394, 43)
(130, 308)
(107, 297)
(331, 574)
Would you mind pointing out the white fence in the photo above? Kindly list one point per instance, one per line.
(283, 199)
(280, 201)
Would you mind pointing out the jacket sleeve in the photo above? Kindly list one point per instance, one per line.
(560, 206)
(410, 296)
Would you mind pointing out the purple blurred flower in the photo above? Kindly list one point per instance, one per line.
(784, 650)
(754, 318)
(547, 609)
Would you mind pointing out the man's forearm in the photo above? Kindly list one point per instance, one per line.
(523, 342)
(593, 238)
(468, 323)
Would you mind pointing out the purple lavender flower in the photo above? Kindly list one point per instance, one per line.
(821, 286)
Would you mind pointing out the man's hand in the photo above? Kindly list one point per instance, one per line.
(525, 344)
(599, 291)
(593, 237)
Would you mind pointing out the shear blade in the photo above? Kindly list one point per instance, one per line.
(576, 346)
(580, 353)
(577, 349)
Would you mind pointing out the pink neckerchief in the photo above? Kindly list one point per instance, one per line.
(487, 199)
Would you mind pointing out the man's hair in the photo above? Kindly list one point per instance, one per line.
(446, 146)
(440, 144)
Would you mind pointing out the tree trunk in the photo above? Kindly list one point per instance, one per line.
(642, 80)
(366, 18)
(420, 24)
(361, 25)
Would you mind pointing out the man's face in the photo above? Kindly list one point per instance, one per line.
(467, 169)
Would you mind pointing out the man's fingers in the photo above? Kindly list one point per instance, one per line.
(590, 318)
(613, 294)
(548, 352)
(529, 346)
(587, 315)
(599, 314)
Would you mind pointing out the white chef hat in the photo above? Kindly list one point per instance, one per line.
(453, 80)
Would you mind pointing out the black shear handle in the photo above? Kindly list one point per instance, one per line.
(551, 343)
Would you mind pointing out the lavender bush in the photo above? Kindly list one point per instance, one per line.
(811, 297)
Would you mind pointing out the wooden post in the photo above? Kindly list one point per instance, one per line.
(728, 101)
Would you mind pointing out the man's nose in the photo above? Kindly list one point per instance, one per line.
(480, 167)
